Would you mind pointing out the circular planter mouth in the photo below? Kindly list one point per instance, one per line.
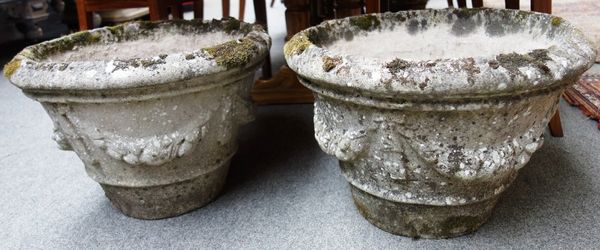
(445, 54)
(137, 56)
(151, 108)
(433, 112)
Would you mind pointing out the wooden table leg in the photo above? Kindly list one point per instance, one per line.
(555, 125)
(225, 5)
(544, 6)
(372, 6)
(199, 9)
(86, 19)
(260, 11)
(158, 10)
(283, 88)
(511, 4)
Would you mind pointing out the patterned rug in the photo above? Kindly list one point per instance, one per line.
(586, 95)
(585, 14)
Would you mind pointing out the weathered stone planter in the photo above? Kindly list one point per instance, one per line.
(432, 113)
(152, 109)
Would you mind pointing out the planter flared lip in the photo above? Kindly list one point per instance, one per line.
(29, 71)
(355, 77)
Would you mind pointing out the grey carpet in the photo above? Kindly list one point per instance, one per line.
(282, 192)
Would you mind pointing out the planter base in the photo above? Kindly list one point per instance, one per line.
(158, 202)
(422, 221)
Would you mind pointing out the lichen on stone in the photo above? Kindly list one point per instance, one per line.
(466, 12)
(296, 45)
(11, 67)
(556, 21)
(233, 54)
(397, 65)
(513, 61)
(330, 63)
(64, 44)
(365, 22)
(190, 56)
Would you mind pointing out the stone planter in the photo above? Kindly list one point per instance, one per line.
(152, 109)
(432, 113)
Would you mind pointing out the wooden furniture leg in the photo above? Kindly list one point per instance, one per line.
(225, 5)
(283, 88)
(544, 6)
(346, 8)
(373, 6)
(511, 4)
(242, 10)
(555, 125)
(198, 9)
(86, 19)
(260, 11)
(154, 6)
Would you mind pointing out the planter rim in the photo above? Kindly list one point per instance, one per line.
(30, 71)
(478, 77)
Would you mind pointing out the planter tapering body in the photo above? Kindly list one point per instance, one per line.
(151, 108)
(432, 113)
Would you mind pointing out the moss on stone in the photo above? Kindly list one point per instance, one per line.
(43, 50)
(231, 24)
(233, 54)
(149, 25)
(466, 12)
(11, 67)
(365, 22)
(117, 31)
(556, 21)
(296, 45)
(330, 62)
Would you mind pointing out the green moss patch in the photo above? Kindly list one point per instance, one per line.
(11, 67)
(231, 25)
(67, 43)
(233, 54)
(556, 21)
(296, 45)
(365, 22)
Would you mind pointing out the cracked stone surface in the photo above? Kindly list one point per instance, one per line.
(157, 132)
(432, 113)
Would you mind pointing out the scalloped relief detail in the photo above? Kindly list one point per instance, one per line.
(152, 150)
(482, 162)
